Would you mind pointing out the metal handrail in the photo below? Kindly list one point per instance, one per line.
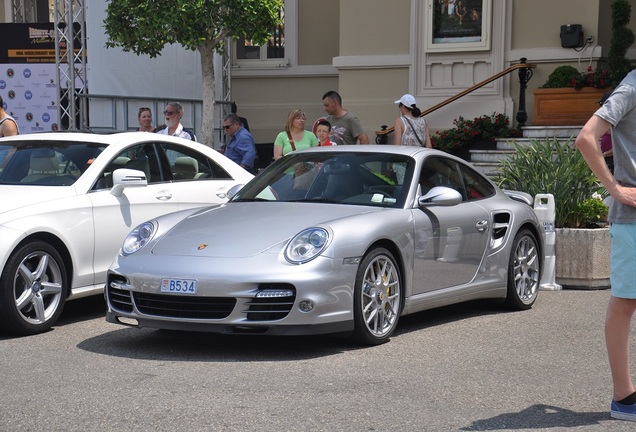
(525, 74)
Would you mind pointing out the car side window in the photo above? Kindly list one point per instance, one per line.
(188, 164)
(439, 171)
(475, 185)
(141, 157)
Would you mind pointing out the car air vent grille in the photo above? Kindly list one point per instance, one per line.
(272, 302)
(501, 225)
(172, 306)
(120, 300)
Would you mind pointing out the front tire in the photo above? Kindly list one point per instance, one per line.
(377, 298)
(524, 271)
(33, 289)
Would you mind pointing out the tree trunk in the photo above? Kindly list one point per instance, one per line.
(206, 52)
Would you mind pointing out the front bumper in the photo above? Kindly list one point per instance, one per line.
(232, 295)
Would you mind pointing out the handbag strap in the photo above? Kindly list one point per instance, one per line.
(413, 129)
(291, 141)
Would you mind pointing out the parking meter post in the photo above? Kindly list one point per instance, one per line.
(544, 209)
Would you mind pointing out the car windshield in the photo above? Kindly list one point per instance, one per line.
(50, 163)
(376, 179)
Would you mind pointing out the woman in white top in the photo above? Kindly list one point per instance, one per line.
(410, 128)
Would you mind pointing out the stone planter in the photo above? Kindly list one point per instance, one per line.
(565, 106)
(582, 258)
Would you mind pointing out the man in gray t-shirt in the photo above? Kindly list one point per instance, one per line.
(618, 113)
(345, 127)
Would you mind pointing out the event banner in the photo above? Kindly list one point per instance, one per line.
(28, 82)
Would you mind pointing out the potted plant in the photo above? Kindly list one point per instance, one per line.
(582, 238)
(477, 134)
(594, 211)
(569, 97)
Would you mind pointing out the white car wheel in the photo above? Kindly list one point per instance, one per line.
(33, 289)
(377, 298)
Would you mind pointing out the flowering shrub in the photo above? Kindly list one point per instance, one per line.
(593, 211)
(465, 132)
(599, 78)
(568, 76)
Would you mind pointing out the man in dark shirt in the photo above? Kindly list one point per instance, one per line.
(240, 148)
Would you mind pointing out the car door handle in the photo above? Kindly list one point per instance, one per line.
(222, 192)
(482, 225)
(163, 195)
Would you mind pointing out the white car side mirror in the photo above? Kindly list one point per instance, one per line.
(124, 177)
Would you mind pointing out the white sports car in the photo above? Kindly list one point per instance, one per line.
(332, 240)
(69, 199)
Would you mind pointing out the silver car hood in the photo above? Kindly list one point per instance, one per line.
(239, 230)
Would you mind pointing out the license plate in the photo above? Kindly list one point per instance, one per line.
(179, 286)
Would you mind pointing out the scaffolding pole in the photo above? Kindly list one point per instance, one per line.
(24, 11)
(70, 61)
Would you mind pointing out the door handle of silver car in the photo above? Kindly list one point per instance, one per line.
(482, 225)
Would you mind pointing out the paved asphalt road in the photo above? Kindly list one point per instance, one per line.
(472, 367)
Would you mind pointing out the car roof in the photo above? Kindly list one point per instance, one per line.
(375, 148)
(114, 138)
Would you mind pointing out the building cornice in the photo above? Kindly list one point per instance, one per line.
(372, 61)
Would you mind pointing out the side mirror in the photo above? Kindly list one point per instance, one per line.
(440, 196)
(124, 177)
(234, 190)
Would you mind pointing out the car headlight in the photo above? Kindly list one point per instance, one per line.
(138, 238)
(306, 245)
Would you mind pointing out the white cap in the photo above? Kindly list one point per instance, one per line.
(406, 100)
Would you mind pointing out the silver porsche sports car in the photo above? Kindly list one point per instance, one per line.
(339, 239)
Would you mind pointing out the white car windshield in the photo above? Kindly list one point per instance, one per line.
(377, 179)
(46, 163)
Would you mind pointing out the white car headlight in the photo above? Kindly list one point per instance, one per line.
(306, 245)
(138, 238)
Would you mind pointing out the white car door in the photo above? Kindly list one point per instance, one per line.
(116, 216)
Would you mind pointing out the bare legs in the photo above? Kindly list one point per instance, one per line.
(617, 330)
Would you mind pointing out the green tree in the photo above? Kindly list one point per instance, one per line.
(622, 38)
(146, 26)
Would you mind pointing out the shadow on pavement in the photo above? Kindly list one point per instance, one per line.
(83, 309)
(75, 311)
(539, 417)
(148, 343)
(168, 345)
(447, 314)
